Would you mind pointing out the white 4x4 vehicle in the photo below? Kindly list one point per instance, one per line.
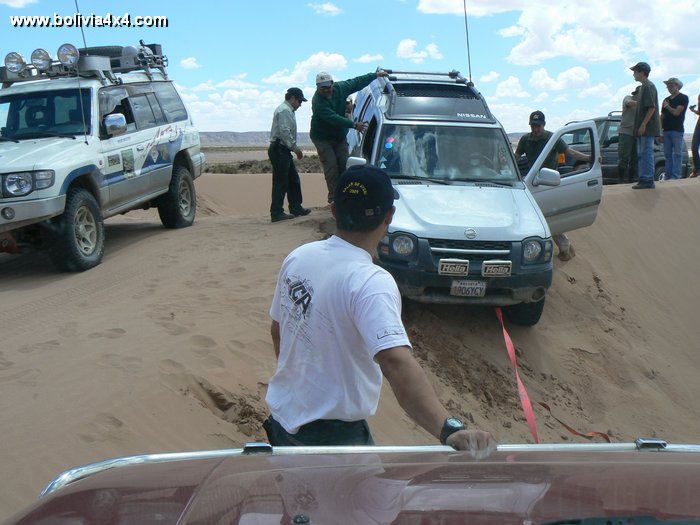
(96, 133)
(468, 228)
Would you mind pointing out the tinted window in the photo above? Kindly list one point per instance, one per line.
(143, 111)
(173, 108)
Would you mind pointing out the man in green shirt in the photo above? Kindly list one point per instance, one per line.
(646, 125)
(329, 125)
(531, 144)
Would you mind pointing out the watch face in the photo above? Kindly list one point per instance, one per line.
(454, 423)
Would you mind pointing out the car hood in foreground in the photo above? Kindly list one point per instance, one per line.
(497, 213)
(392, 485)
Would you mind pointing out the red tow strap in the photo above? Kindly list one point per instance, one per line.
(525, 398)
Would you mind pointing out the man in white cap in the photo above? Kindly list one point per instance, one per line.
(672, 116)
(329, 125)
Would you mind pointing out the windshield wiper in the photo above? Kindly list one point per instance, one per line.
(42, 134)
(426, 179)
(8, 139)
(631, 520)
(508, 183)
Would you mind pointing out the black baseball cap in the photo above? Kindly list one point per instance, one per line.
(537, 117)
(296, 92)
(364, 191)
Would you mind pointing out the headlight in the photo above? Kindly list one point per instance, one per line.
(18, 184)
(403, 245)
(23, 183)
(537, 251)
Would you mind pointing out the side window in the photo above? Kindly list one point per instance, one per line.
(112, 101)
(368, 139)
(580, 141)
(173, 108)
(143, 112)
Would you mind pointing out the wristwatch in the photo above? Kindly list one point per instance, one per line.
(449, 427)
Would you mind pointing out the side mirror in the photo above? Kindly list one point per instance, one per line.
(547, 177)
(115, 124)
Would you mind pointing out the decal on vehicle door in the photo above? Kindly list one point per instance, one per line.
(128, 163)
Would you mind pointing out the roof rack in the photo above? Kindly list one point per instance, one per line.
(98, 62)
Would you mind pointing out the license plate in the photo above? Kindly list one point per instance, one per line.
(453, 267)
(496, 268)
(464, 288)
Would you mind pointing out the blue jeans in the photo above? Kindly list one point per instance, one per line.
(673, 142)
(645, 159)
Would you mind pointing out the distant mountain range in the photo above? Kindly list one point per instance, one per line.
(250, 139)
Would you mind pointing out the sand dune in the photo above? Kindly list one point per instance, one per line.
(165, 346)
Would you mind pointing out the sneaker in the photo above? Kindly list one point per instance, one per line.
(694, 174)
(644, 186)
(300, 211)
(282, 217)
(568, 254)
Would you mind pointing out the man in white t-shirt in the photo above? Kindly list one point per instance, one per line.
(336, 329)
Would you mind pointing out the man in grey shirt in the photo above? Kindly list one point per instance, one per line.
(627, 145)
(283, 141)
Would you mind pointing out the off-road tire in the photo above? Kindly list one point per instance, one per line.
(78, 236)
(525, 314)
(178, 207)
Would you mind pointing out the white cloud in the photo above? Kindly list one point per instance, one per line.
(321, 61)
(17, 3)
(511, 88)
(474, 8)
(407, 49)
(367, 58)
(491, 76)
(600, 90)
(189, 63)
(573, 78)
(326, 8)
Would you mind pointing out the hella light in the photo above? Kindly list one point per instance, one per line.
(18, 184)
(14, 62)
(403, 245)
(41, 59)
(68, 55)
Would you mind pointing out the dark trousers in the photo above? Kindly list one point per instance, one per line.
(285, 180)
(627, 158)
(322, 432)
(696, 145)
(334, 158)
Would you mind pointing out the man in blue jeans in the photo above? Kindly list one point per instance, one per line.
(646, 125)
(672, 116)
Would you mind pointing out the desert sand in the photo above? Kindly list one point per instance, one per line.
(165, 346)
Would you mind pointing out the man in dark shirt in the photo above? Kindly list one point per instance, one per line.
(531, 144)
(672, 116)
(329, 125)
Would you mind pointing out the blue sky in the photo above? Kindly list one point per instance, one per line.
(234, 60)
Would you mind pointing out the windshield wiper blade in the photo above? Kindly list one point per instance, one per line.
(44, 134)
(426, 179)
(8, 139)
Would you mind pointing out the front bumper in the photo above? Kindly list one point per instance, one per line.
(29, 212)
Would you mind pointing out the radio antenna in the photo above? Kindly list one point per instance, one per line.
(82, 31)
(466, 29)
(80, 89)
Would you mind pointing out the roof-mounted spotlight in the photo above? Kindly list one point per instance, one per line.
(68, 55)
(41, 59)
(14, 62)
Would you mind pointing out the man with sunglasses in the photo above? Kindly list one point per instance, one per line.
(531, 144)
(329, 125)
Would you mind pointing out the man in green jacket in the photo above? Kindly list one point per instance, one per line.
(329, 125)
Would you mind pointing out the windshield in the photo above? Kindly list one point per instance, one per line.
(446, 153)
(44, 114)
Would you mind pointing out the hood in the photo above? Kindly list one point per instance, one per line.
(45, 153)
(397, 487)
(497, 213)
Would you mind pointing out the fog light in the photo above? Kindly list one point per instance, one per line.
(8, 214)
(68, 55)
(14, 62)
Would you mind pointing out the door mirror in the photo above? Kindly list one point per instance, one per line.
(115, 124)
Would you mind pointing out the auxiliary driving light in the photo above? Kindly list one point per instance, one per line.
(14, 62)
(8, 214)
(41, 59)
(68, 55)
